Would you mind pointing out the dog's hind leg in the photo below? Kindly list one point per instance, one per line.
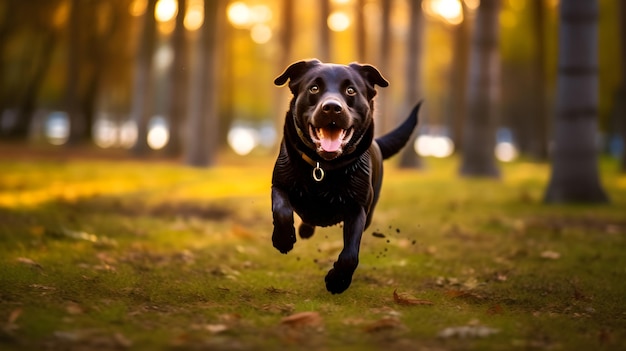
(284, 235)
(306, 230)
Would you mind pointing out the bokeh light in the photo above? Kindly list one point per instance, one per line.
(438, 146)
(158, 133)
(165, 10)
(338, 21)
(105, 133)
(57, 128)
(137, 7)
(239, 14)
(261, 33)
(451, 11)
(194, 16)
(128, 134)
(242, 139)
(506, 151)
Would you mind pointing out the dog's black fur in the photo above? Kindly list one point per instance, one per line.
(329, 134)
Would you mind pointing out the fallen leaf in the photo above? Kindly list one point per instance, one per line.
(467, 331)
(11, 325)
(471, 283)
(74, 309)
(406, 299)
(29, 262)
(279, 308)
(495, 309)
(550, 255)
(384, 324)
(303, 319)
(215, 328)
(122, 340)
(15, 314)
(42, 287)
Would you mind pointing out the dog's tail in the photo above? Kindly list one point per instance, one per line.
(395, 140)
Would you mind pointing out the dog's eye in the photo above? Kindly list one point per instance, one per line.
(351, 91)
(314, 89)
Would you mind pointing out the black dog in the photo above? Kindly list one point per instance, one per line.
(329, 169)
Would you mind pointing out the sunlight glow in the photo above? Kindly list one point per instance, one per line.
(158, 133)
(104, 133)
(137, 7)
(242, 140)
(239, 14)
(338, 21)
(261, 33)
(472, 4)
(165, 10)
(58, 128)
(434, 145)
(194, 16)
(60, 15)
(163, 57)
(128, 134)
(450, 11)
(506, 152)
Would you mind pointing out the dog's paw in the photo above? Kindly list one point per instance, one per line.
(306, 230)
(283, 240)
(337, 282)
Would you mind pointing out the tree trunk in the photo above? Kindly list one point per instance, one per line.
(324, 40)
(281, 96)
(575, 175)
(537, 125)
(74, 65)
(622, 116)
(478, 159)
(359, 28)
(460, 63)
(408, 157)
(383, 101)
(202, 138)
(27, 104)
(177, 104)
(141, 109)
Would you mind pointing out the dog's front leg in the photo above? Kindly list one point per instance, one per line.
(284, 235)
(339, 277)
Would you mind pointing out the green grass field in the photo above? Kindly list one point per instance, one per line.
(116, 254)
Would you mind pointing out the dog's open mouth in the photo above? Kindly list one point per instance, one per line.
(330, 139)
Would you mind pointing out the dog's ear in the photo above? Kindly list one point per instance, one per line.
(372, 77)
(294, 72)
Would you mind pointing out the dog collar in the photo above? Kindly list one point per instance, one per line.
(318, 172)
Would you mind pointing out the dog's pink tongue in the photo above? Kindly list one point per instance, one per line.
(330, 139)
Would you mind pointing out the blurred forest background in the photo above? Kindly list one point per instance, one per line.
(186, 78)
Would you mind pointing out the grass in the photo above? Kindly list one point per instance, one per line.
(122, 254)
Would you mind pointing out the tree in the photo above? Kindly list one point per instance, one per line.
(141, 109)
(22, 78)
(478, 157)
(359, 28)
(383, 101)
(536, 124)
(458, 89)
(622, 6)
(179, 71)
(203, 133)
(574, 176)
(74, 65)
(324, 32)
(413, 91)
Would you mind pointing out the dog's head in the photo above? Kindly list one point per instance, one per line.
(332, 105)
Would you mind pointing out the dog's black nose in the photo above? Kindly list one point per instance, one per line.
(331, 107)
